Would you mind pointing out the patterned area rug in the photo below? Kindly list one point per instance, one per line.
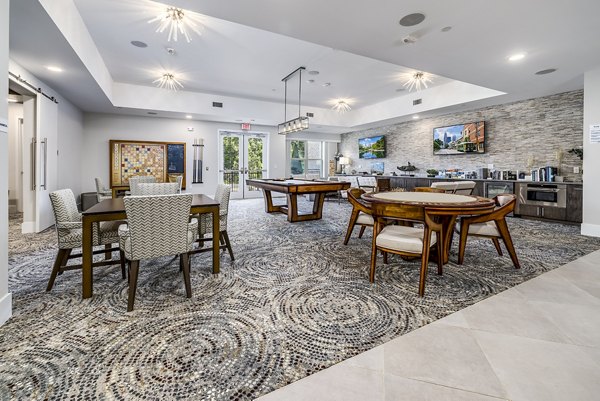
(294, 302)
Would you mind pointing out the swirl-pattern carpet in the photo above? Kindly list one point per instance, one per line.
(295, 301)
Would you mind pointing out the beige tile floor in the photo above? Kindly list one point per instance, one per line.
(536, 341)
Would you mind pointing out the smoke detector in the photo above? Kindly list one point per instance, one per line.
(171, 51)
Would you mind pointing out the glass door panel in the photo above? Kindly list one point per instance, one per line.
(243, 156)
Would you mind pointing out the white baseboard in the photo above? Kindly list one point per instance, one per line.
(591, 230)
(5, 308)
(28, 227)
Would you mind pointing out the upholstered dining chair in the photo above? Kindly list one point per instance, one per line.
(492, 225)
(69, 234)
(159, 188)
(405, 240)
(353, 180)
(139, 179)
(102, 192)
(369, 184)
(455, 187)
(205, 227)
(361, 213)
(178, 179)
(157, 226)
(430, 189)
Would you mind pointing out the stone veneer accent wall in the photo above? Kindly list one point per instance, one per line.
(535, 128)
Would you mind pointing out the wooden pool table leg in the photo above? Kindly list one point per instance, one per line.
(318, 205)
(292, 209)
(268, 201)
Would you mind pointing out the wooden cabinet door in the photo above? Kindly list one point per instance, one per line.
(527, 210)
(553, 213)
(575, 203)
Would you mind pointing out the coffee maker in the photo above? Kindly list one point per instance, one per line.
(551, 173)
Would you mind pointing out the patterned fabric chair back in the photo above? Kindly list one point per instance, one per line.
(353, 180)
(100, 188)
(178, 179)
(367, 181)
(64, 206)
(139, 179)
(222, 196)
(158, 225)
(169, 188)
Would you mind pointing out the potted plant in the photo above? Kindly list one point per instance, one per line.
(432, 172)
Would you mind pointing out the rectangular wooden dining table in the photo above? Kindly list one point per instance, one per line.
(114, 209)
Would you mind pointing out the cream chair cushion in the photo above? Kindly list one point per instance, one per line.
(365, 219)
(488, 229)
(402, 238)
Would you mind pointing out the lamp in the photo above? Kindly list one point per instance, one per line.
(175, 19)
(168, 81)
(299, 123)
(344, 161)
(416, 80)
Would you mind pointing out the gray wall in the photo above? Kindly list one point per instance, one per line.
(535, 128)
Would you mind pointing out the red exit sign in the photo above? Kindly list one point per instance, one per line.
(246, 126)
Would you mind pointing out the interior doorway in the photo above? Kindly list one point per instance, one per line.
(33, 155)
(242, 155)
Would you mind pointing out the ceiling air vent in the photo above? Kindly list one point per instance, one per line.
(218, 104)
(310, 114)
(417, 101)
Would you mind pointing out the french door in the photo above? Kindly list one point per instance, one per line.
(243, 155)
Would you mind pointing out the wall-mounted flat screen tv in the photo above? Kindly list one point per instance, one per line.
(459, 139)
(372, 148)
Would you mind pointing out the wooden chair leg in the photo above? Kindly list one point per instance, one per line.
(362, 231)
(497, 245)
(61, 258)
(351, 223)
(181, 262)
(424, 261)
(464, 231)
(228, 244)
(385, 258)
(440, 249)
(134, 266)
(108, 254)
(373, 255)
(185, 257)
(122, 260)
(503, 228)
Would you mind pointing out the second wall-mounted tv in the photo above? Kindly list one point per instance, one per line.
(459, 139)
(371, 148)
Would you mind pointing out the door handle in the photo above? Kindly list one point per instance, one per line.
(33, 162)
(45, 165)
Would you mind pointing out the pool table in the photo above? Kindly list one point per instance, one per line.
(292, 188)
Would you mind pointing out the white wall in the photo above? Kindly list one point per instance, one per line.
(70, 143)
(591, 155)
(5, 296)
(100, 128)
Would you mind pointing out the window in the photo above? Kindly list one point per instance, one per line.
(306, 159)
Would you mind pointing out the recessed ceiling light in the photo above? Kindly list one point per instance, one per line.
(327, 84)
(400, 89)
(54, 68)
(310, 81)
(517, 57)
(547, 71)
(415, 117)
(138, 43)
(188, 117)
(171, 51)
(446, 28)
(313, 72)
(152, 113)
(274, 90)
(412, 19)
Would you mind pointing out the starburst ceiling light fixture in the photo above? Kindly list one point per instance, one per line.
(416, 80)
(168, 81)
(176, 21)
(341, 106)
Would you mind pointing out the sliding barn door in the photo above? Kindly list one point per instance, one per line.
(46, 160)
